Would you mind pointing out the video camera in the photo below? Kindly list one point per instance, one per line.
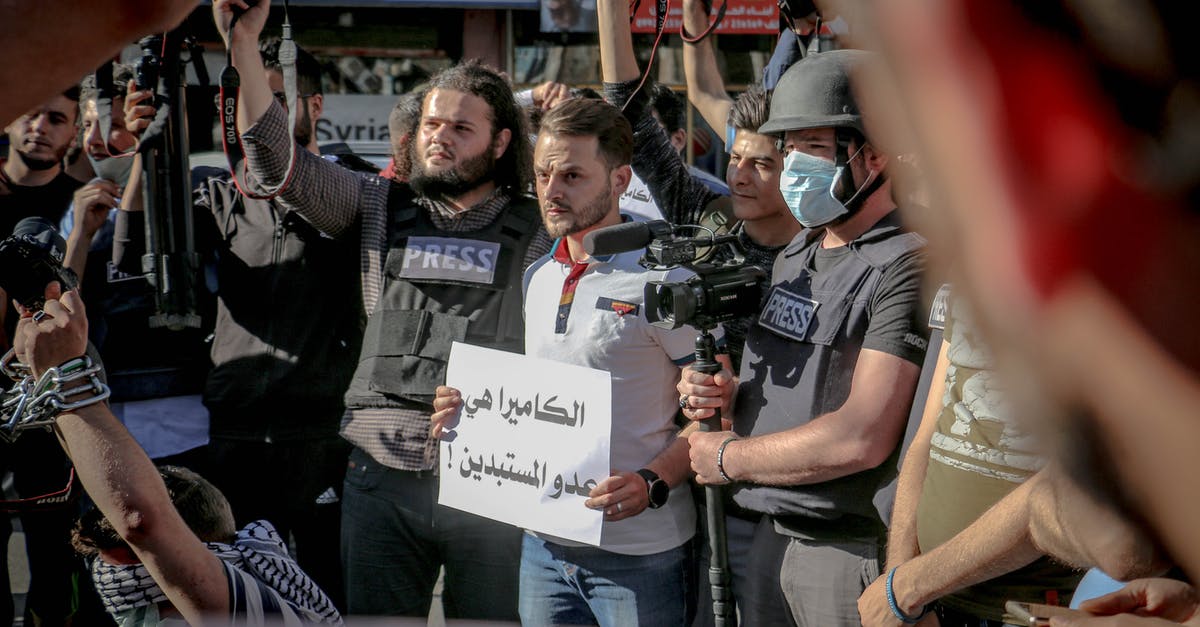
(720, 291)
(30, 259)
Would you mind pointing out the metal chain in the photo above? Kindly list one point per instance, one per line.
(33, 403)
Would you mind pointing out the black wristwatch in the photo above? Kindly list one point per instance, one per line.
(655, 487)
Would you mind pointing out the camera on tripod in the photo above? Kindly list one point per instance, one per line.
(725, 287)
(149, 66)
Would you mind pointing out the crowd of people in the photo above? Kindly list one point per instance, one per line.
(963, 393)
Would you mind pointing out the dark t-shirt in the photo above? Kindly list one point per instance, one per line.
(48, 201)
(898, 313)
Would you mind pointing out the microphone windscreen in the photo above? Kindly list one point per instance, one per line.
(618, 238)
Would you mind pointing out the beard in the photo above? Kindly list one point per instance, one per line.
(38, 164)
(454, 182)
(592, 212)
(304, 125)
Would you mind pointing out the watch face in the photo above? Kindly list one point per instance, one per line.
(659, 491)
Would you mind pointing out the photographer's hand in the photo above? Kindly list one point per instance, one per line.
(138, 116)
(701, 393)
(58, 337)
(249, 25)
(242, 41)
(703, 449)
(447, 403)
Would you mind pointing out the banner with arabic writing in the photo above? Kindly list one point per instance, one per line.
(530, 443)
(742, 17)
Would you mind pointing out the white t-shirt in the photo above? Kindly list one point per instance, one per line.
(606, 329)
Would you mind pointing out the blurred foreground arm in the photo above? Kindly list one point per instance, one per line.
(96, 30)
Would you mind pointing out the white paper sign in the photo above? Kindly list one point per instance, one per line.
(531, 441)
(638, 201)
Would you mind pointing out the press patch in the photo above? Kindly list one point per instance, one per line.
(447, 258)
(788, 314)
(621, 307)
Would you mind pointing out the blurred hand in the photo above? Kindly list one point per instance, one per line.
(549, 94)
(1159, 597)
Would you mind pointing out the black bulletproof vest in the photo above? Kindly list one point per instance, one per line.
(440, 287)
(799, 362)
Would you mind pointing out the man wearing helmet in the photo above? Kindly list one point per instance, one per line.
(830, 367)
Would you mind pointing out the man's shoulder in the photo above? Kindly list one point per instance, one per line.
(250, 598)
(67, 183)
(889, 241)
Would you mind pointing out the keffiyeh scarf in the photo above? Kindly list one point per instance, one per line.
(258, 550)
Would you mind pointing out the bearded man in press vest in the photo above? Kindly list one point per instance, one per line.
(829, 368)
(441, 261)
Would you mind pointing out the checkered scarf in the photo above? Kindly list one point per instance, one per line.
(258, 550)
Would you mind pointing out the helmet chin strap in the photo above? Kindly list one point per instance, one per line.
(861, 192)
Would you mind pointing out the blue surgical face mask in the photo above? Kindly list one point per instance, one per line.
(807, 186)
(115, 169)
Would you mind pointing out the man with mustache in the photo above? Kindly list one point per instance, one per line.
(587, 310)
(441, 260)
(32, 179)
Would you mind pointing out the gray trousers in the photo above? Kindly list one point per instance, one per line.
(807, 583)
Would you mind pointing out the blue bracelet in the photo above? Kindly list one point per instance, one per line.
(891, 599)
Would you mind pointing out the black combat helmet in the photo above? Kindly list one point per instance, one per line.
(815, 93)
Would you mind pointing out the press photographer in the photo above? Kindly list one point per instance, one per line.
(830, 366)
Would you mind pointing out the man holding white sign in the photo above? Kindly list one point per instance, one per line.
(588, 312)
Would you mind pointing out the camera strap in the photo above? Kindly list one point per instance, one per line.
(661, 8)
(50, 500)
(687, 38)
(231, 139)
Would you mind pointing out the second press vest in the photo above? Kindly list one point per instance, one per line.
(798, 364)
(440, 287)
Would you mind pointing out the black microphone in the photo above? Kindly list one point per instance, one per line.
(623, 237)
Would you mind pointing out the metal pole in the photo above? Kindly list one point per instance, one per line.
(714, 508)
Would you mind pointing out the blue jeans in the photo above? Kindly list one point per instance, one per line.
(395, 537)
(566, 585)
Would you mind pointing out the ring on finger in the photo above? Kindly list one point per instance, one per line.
(40, 315)
(683, 402)
(618, 506)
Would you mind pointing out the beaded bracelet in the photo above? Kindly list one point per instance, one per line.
(891, 599)
(721, 459)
